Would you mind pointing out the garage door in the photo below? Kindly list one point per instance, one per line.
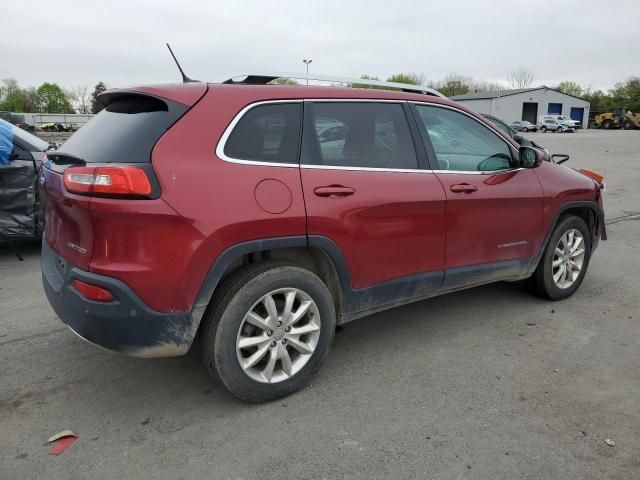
(555, 109)
(577, 114)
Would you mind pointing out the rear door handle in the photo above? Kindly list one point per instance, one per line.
(334, 191)
(463, 188)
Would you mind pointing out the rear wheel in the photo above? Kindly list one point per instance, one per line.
(543, 129)
(564, 263)
(607, 124)
(270, 329)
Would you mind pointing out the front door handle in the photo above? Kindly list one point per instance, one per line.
(463, 188)
(334, 191)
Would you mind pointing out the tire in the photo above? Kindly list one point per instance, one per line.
(543, 281)
(543, 129)
(525, 129)
(607, 124)
(226, 320)
(628, 125)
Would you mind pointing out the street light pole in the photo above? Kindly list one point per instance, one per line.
(307, 62)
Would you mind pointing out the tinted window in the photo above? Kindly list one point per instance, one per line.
(268, 133)
(462, 143)
(124, 131)
(359, 134)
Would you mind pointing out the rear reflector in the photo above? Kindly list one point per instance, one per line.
(92, 292)
(122, 180)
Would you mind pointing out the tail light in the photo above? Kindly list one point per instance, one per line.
(92, 292)
(111, 181)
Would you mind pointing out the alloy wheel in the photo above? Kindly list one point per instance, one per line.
(568, 258)
(278, 335)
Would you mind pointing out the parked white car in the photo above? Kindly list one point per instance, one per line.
(553, 125)
(561, 119)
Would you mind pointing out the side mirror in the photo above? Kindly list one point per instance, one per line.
(529, 157)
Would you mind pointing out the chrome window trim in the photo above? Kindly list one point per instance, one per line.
(365, 169)
(478, 172)
(227, 133)
(491, 130)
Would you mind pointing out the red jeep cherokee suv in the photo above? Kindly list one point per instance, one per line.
(261, 216)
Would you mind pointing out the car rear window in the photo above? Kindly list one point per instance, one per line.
(125, 130)
(267, 133)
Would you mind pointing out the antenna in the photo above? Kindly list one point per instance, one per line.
(185, 79)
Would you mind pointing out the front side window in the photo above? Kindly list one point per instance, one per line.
(359, 134)
(461, 143)
(267, 133)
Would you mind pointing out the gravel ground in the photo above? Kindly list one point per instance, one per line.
(490, 383)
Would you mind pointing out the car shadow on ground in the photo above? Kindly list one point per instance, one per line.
(184, 380)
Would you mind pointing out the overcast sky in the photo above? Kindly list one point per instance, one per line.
(593, 42)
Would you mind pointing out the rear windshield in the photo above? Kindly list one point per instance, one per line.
(125, 131)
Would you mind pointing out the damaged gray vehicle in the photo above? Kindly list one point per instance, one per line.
(21, 155)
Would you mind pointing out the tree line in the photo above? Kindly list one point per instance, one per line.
(625, 94)
(52, 98)
(49, 98)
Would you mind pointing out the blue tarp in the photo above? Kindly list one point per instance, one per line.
(6, 142)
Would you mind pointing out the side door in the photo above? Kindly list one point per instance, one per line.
(18, 194)
(494, 212)
(368, 191)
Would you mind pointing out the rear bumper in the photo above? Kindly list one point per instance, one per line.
(125, 325)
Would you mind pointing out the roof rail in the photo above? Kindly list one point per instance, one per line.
(264, 78)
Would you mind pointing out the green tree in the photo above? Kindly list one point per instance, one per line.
(453, 88)
(600, 101)
(96, 106)
(31, 100)
(627, 94)
(410, 78)
(283, 81)
(570, 88)
(364, 85)
(53, 99)
(11, 96)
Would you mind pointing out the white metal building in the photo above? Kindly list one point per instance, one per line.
(526, 104)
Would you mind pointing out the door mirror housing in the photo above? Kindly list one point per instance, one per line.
(529, 157)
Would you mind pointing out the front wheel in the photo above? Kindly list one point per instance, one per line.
(270, 329)
(564, 263)
(543, 129)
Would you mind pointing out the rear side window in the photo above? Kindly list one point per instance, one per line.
(267, 133)
(359, 134)
(125, 131)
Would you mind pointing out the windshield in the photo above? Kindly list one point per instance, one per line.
(31, 141)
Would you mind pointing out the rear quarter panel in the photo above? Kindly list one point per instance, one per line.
(217, 197)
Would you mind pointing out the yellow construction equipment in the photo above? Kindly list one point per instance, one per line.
(631, 121)
(617, 119)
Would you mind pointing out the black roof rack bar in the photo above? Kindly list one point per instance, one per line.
(264, 78)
